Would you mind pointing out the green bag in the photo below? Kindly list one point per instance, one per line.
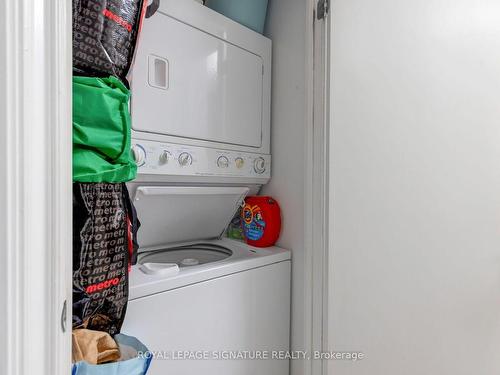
(101, 131)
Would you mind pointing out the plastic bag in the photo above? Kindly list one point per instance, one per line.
(105, 34)
(101, 131)
(102, 247)
(135, 366)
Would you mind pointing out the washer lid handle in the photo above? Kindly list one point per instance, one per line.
(159, 269)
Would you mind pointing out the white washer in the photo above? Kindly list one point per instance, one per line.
(237, 306)
(200, 302)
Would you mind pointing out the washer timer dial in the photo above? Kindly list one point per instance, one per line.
(259, 165)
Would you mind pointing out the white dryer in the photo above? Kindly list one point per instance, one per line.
(201, 86)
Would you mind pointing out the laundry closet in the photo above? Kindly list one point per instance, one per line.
(372, 125)
(219, 113)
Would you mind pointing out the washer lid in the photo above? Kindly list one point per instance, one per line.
(172, 214)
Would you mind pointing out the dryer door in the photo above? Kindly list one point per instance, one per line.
(188, 83)
(172, 214)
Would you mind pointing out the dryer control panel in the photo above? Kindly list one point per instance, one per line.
(158, 158)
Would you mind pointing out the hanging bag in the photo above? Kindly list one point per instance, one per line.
(103, 249)
(101, 131)
(105, 34)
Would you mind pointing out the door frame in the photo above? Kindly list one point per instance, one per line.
(317, 188)
(35, 187)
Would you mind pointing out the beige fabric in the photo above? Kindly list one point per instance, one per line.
(94, 347)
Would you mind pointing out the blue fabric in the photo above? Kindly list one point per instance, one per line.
(251, 13)
(135, 366)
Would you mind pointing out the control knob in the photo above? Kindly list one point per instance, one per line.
(165, 157)
(185, 159)
(240, 162)
(139, 155)
(259, 165)
(222, 162)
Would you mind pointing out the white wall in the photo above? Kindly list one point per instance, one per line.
(415, 272)
(286, 26)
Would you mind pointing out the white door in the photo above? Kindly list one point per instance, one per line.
(415, 187)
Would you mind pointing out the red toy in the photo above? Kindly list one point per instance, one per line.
(261, 221)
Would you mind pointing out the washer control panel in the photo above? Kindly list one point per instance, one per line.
(173, 159)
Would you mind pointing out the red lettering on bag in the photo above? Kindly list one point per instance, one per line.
(104, 285)
(120, 21)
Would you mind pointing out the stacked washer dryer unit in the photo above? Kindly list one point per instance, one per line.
(201, 138)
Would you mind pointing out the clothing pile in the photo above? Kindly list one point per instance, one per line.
(105, 224)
